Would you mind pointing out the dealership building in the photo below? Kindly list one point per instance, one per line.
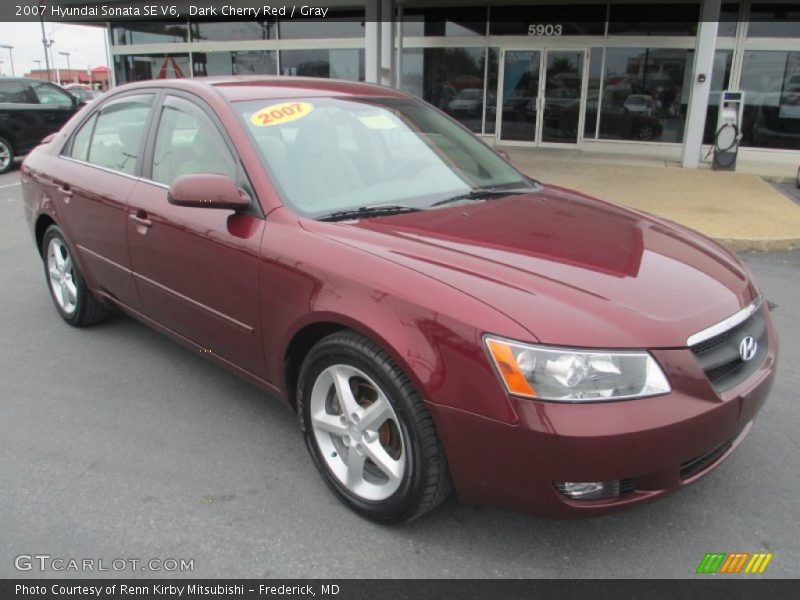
(641, 78)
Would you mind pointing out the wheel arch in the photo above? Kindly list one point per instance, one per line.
(298, 348)
(319, 326)
(6, 135)
(43, 221)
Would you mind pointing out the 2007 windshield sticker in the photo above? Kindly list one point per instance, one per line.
(277, 114)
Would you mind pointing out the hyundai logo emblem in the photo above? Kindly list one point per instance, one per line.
(747, 348)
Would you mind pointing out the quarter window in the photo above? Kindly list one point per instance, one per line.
(188, 143)
(82, 140)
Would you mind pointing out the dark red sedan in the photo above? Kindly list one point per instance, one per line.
(438, 320)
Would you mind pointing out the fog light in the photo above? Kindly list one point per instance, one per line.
(589, 490)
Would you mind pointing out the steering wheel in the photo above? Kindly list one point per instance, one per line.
(408, 168)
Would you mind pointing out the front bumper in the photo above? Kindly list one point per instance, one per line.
(663, 443)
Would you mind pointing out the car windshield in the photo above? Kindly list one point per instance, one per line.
(330, 155)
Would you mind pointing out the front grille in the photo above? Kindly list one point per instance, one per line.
(626, 486)
(703, 461)
(719, 356)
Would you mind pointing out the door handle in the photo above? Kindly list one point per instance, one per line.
(140, 218)
(63, 189)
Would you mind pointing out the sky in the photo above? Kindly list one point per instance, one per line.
(86, 46)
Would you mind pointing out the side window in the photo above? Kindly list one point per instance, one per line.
(187, 142)
(50, 95)
(17, 92)
(80, 143)
(118, 131)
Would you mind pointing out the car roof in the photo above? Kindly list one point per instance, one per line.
(28, 79)
(255, 87)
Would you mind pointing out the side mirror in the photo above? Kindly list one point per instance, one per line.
(207, 190)
(503, 153)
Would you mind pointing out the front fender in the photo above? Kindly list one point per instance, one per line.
(432, 331)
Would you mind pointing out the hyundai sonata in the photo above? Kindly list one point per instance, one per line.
(438, 320)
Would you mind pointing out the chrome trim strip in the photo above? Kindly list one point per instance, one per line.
(726, 324)
(99, 167)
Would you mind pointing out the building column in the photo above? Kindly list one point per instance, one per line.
(703, 66)
(372, 41)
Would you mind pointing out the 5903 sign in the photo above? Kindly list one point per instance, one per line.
(549, 29)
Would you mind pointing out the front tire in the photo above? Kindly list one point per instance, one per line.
(72, 298)
(369, 432)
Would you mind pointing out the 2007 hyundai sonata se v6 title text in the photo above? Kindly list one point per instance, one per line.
(439, 321)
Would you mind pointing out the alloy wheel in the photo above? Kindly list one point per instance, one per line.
(5, 156)
(358, 432)
(61, 273)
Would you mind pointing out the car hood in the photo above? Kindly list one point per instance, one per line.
(571, 269)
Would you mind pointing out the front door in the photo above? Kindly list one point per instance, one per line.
(541, 94)
(197, 269)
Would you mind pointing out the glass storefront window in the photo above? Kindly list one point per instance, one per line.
(774, 19)
(720, 80)
(645, 94)
(242, 62)
(650, 19)
(125, 34)
(449, 78)
(140, 67)
(335, 64)
(548, 20)
(229, 31)
(338, 24)
(466, 21)
(771, 85)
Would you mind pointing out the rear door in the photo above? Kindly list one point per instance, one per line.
(197, 269)
(95, 174)
(21, 123)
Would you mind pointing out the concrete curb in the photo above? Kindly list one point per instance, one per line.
(758, 245)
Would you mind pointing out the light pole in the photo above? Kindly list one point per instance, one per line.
(44, 45)
(69, 71)
(10, 57)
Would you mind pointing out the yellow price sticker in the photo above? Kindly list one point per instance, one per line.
(278, 114)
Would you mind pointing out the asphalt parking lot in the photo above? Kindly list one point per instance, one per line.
(118, 443)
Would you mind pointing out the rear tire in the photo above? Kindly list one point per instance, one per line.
(72, 298)
(389, 468)
(6, 155)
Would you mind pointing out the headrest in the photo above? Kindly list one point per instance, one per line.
(317, 137)
(130, 136)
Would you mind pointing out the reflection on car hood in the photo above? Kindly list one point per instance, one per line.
(571, 269)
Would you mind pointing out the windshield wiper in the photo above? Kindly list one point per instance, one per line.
(481, 194)
(369, 211)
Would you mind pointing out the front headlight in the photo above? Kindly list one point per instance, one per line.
(569, 375)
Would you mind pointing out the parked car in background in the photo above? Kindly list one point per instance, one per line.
(468, 102)
(30, 110)
(621, 124)
(437, 319)
(639, 103)
(83, 93)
